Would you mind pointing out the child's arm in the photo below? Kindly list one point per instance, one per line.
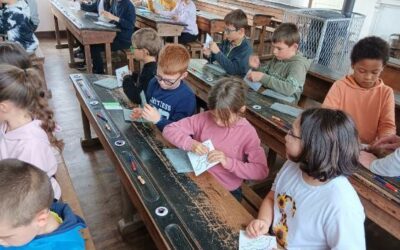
(255, 167)
(388, 166)
(263, 222)
(293, 82)
(180, 133)
(387, 124)
(126, 20)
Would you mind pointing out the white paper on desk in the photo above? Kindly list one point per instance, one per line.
(263, 242)
(109, 25)
(91, 14)
(209, 40)
(199, 162)
(120, 73)
(75, 6)
(286, 109)
(253, 85)
(277, 95)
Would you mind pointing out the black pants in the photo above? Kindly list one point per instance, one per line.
(237, 193)
(96, 49)
(183, 39)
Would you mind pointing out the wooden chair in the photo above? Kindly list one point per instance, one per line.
(262, 25)
(194, 48)
(70, 197)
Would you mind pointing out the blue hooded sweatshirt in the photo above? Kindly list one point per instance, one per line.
(66, 237)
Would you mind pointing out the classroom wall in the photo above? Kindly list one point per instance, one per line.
(46, 18)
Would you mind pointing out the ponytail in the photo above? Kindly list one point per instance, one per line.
(23, 87)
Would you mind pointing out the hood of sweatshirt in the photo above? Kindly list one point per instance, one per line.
(351, 82)
(28, 131)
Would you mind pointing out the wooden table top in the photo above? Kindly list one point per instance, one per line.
(79, 18)
(202, 214)
(145, 13)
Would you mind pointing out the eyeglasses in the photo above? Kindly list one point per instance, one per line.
(228, 31)
(169, 82)
(290, 132)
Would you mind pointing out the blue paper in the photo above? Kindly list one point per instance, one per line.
(253, 85)
(179, 160)
(286, 109)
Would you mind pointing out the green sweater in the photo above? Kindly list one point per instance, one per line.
(286, 76)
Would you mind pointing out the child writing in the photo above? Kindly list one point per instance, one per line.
(26, 123)
(15, 21)
(234, 52)
(363, 95)
(122, 13)
(312, 205)
(286, 71)
(388, 166)
(169, 98)
(29, 219)
(146, 45)
(237, 146)
(184, 12)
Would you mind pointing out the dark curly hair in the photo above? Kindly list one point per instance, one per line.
(371, 47)
(330, 144)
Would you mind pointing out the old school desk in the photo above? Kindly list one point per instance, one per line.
(83, 28)
(202, 215)
(164, 26)
(381, 205)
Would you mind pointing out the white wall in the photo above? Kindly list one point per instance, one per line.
(46, 18)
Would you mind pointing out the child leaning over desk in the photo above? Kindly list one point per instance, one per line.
(312, 204)
(237, 146)
(169, 98)
(286, 71)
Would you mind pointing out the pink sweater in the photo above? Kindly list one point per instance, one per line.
(30, 143)
(240, 143)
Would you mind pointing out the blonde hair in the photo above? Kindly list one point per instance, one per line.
(23, 88)
(227, 97)
(147, 38)
(173, 59)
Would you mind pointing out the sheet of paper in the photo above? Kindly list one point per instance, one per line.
(209, 40)
(75, 6)
(199, 162)
(108, 83)
(143, 98)
(91, 14)
(127, 116)
(110, 25)
(277, 95)
(112, 105)
(286, 109)
(253, 85)
(179, 160)
(263, 242)
(120, 73)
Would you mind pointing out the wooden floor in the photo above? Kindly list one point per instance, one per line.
(93, 175)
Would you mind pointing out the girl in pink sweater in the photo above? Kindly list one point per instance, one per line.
(237, 146)
(26, 123)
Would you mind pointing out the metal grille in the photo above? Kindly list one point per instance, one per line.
(327, 36)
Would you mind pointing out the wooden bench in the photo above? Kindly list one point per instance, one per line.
(37, 59)
(195, 48)
(69, 196)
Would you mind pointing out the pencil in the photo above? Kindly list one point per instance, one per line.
(101, 117)
(140, 178)
(107, 127)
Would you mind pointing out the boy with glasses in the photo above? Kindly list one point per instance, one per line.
(146, 44)
(233, 53)
(286, 71)
(169, 98)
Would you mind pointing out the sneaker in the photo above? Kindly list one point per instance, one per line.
(81, 66)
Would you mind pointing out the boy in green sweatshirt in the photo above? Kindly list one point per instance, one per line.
(286, 71)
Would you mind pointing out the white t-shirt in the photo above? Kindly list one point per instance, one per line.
(329, 216)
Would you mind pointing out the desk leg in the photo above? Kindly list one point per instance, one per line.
(88, 58)
(108, 59)
(87, 141)
(58, 38)
(71, 42)
(130, 222)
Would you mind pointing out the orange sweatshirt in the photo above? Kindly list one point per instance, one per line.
(371, 109)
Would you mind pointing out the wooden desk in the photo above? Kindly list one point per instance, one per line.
(320, 79)
(202, 215)
(164, 26)
(209, 23)
(381, 205)
(84, 30)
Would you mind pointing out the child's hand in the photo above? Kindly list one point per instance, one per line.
(151, 114)
(255, 76)
(109, 16)
(254, 61)
(390, 142)
(136, 113)
(366, 159)
(217, 156)
(198, 148)
(214, 47)
(206, 52)
(256, 228)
